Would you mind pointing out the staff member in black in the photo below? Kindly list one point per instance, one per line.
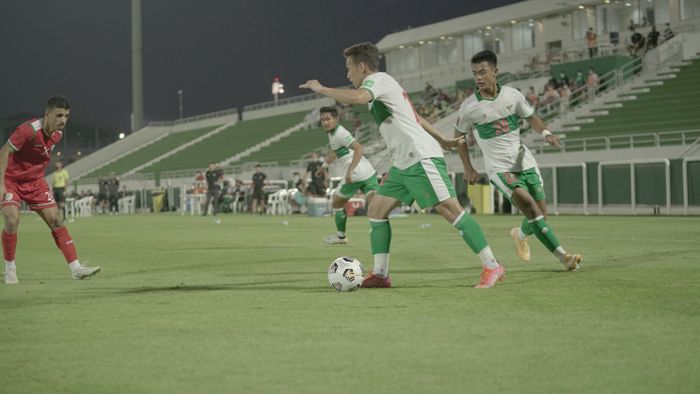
(214, 175)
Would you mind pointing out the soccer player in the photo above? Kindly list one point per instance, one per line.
(60, 179)
(259, 181)
(23, 160)
(494, 112)
(359, 173)
(418, 173)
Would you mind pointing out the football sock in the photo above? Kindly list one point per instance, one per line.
(10, 266)
(65, 244)
(487, 258)
(380, 239)
(381, 265)
(340, 220)
(74, 265)
(525, 229)
(470, 231)
(544, 233)
(9, 245)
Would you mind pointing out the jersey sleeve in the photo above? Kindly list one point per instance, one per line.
(20, 136)
(376, 87)
(344, 138)
(464, 122)
(522, 107)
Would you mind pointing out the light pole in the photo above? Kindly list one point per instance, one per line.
(179, 93)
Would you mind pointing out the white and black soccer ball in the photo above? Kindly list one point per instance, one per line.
(346, 274)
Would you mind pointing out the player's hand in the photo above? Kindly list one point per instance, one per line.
(471, 176)
(451, 143)
(312, 84)
(348, 178)
(320, 171)
(553, 140)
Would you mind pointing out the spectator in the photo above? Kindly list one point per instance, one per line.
(563, 79)
(564, 94)
(102, 194)
(532, 96)
(668, 33)
(580, 80)
(259, 198)
(636, 43)
(113, 193)
(316, 187)
(214, 177)
(592, 42)
(652, 38)
(592, 83)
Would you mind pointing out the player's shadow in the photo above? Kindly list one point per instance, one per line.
(241, 286)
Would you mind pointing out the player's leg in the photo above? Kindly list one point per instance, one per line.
(205, 208)
(544, 233)
(430, 184)
(65, 243)
(338, 203)
(380, 239)
(10, 213)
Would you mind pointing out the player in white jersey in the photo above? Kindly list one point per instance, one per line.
(418, 173)
(492, 114)
(359, 173)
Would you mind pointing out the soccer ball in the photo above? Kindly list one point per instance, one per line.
(346, 274)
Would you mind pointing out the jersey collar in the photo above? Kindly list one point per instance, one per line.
(498, 92)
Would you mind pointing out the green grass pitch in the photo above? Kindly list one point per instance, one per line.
(186, 305)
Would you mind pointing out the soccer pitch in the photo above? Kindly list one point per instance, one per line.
(186, 305)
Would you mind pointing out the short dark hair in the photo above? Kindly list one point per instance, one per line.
(366, 53)
(485, 56)
(330, 110)
(57, 102)
(258, 166)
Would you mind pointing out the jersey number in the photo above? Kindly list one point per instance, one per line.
(502, 126)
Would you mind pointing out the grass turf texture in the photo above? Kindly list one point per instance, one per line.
(185, 305)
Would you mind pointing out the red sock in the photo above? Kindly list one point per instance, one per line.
(65, 243)
(9, 245)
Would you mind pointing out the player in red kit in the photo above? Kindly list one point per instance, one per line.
(23, 160)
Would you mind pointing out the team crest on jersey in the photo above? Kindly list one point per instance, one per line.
(8, 197)
(509, 108)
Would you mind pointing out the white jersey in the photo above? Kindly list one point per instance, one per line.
(398, 123)
(497, 129)
(341, 140)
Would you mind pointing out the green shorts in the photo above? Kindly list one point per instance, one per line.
(347, 190)
(529, 180)
(425, 182)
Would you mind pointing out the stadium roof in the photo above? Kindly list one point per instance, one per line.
(524, 10)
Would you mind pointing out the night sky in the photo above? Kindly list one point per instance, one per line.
(222, 53)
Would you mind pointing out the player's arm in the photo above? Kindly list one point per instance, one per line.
(538, 125)
(356, 157)
(345, 96)
(330, 158)
(446, 143)
(470, 174)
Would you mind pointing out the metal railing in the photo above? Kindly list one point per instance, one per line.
(626, 141)
(210, 115)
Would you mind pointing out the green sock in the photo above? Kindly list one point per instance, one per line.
(544, 233)
(340, 220)
(525, 227)
(470, 230)
(380, 236)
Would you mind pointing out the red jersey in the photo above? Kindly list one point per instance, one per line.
(32, 151)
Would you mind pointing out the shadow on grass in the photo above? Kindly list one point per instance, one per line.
(184, 288)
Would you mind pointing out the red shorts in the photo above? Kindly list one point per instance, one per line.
(35, 193)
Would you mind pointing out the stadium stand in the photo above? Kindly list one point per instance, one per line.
(289, 148)
(670, 106)
(226, 143)
(148, 152)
